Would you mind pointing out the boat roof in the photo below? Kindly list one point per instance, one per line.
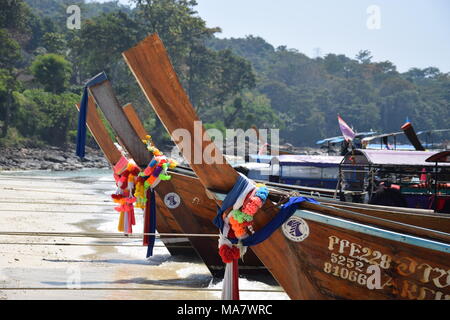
(391, 157)
(307, 160)
(443, 156)
(382, 136)
(432, 131)
(341, 138)
(264, 158)
(253, 165)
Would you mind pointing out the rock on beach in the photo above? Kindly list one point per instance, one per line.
(49, 158)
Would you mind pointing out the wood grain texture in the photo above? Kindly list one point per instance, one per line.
(193, 214)
(150, 64)
(438, 222)
(407, 267)
(166, 223)
(288, 261)
(133, 117)
(105, 98)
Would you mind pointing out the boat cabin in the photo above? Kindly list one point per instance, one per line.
(364, 173)
(319, 171)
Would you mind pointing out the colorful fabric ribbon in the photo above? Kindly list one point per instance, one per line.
(234, 239)
(135, 187)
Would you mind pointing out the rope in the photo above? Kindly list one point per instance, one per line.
(87, 244)
(44, 178)
(40, 201)
(47, 191)
(58, 212)
(137, 289)
(103, 235)
(38, 187)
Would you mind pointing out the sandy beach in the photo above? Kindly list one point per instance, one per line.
(101, 268)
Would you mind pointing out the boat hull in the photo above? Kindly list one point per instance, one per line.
(340, 259)
(191, 194)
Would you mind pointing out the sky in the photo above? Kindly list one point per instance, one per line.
(409, 33)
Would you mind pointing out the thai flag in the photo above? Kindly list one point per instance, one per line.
(347, 132)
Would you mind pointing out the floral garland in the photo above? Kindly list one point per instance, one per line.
(242, 219)
(125, 181)
(241, 222)
(133, 183)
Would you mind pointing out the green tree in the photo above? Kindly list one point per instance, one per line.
(9, 51)
(364, 56)
(54, 43)
(47, 116)
(7, 106)
(101, 41)
(176, 23)
(52, 71)
(14, 15)
(251, 108)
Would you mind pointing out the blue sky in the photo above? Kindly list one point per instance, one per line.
(412, 33)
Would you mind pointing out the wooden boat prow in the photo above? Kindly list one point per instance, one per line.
(179, 219)
(342, 250)
(166, 222)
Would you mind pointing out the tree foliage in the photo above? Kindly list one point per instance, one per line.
(307, 94)
(52, 71)
(232, 83)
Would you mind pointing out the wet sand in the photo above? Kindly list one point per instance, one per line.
(45, 202)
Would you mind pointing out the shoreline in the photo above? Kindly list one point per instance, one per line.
(13, 159)
(54, 267)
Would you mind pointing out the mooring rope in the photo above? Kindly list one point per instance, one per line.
(111, 213)
(55, 191)
(87, 244)
(104, 235)
(41, 201)
(135, 289)
(44, 178)
(57, 186)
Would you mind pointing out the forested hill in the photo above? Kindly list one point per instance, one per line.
(233, 83)
(309, 93)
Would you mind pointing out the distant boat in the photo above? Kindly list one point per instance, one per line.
(409, 170)
(317, 171)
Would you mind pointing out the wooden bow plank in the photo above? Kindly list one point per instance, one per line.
(190, 215)
(149, 63)
(105, 98)
(104, 95)
(162, 88)
(166, 222)
(136, 123)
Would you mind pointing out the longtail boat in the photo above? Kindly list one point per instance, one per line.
(321, 252)
(166, 222)
(181, 214)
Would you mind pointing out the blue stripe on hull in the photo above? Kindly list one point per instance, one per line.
(373, 231)
(365, 229)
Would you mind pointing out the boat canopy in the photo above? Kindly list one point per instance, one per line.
(443, 156)
(262, 158)
(338, 139)
(389, 158)
(322, 161)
